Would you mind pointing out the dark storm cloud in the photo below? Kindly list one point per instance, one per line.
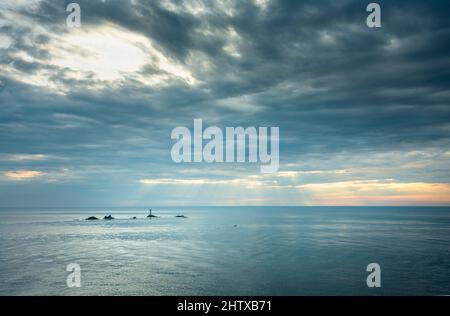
(313, 68)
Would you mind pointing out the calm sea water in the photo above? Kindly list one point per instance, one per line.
(271, 251)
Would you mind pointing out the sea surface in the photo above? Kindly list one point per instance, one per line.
(226, 251)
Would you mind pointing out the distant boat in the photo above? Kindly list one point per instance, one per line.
(108, 217)
(180, 216)
(91, 218)
(150, 214)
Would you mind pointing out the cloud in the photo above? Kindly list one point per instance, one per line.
(309, 172)
(98, 57)
(26, 157)
(248, 182)
(23, 174)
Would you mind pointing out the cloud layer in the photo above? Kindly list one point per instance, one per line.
(86, 114)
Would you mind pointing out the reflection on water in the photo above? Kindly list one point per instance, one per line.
(271, 251)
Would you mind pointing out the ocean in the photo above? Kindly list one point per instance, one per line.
(226, 251)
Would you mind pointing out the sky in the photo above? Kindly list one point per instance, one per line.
(86, 113)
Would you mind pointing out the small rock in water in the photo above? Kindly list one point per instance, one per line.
(134, 217)
(91, 218)
(180, 216)
(108, 217)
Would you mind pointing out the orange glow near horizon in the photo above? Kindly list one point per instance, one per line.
(379, 193)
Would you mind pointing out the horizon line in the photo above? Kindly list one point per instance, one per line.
(191, 206)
